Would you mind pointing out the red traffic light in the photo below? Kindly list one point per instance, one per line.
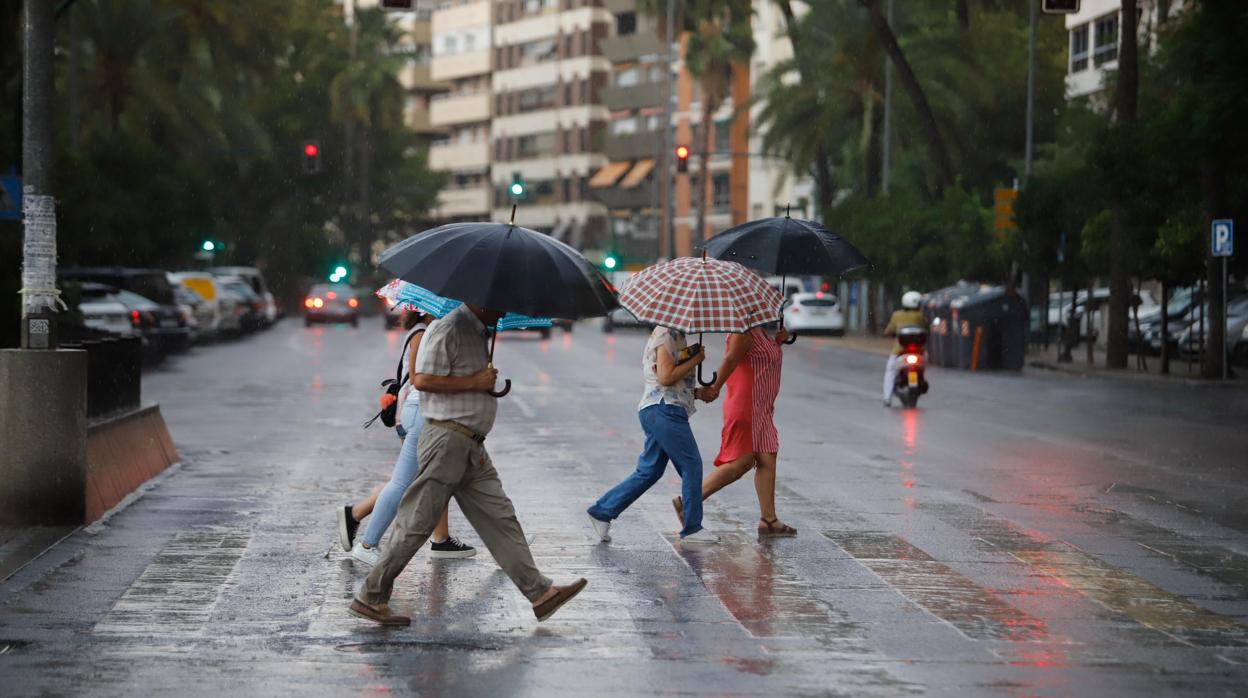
(311, 150)
(682, 152)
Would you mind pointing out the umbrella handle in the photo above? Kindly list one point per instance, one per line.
(792, 338)
(714, 375)
(506, 389)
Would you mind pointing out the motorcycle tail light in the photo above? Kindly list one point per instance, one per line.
(912, 359)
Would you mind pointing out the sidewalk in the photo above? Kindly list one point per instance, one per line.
(1181, 371)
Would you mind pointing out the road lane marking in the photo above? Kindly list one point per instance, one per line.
(1116, 590)
(177, 592)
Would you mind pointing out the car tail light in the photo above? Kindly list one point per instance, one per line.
(318, 303)
(308, 302)
(912, 359)
(331, 295)
(353, 303)
(136, 319)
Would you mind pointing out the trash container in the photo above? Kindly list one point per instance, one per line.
(998, 318)
(941, 317)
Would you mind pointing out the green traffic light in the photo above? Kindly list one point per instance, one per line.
(209, 246)
(610, 262)
(517, 189)
(340, 271)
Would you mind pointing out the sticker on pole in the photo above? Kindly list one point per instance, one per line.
(1223, 238)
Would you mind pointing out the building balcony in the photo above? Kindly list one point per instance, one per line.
(623, 49)
(416, 119)
(633, 146)
(460, 109)
(617, 197)
(460, 65)
(464, 202)
(417, 77)
(460, 156)
(647, 94)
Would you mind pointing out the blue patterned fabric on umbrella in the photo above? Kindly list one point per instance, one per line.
(401, 292)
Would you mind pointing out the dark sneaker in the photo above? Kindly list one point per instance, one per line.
(451, 548)
(347, 526)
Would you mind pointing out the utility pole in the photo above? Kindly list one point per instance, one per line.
(39, 294)
(668, 190)
(348, 145)
(886, 170)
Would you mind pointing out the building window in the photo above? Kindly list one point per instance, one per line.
(723, 137)
(623, 127)
(721, 192)
(627, 77)
(626, 23)
(1106, 35)
(1079, 49)
(538, 51)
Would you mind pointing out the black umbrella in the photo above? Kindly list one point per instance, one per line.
(784, 246)
(502, 267)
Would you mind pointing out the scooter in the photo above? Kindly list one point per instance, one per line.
(910, 383)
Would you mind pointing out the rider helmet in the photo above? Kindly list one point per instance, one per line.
(910, 300)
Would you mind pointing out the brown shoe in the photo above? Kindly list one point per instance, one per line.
(679, 505)
(562, 595)
(378, 613)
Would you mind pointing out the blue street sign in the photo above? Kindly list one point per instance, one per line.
(1223, 238)
(10, 198)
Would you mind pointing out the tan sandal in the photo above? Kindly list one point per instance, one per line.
(679, 505)
(773, 527)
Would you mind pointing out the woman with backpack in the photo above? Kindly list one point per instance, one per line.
(383, 502)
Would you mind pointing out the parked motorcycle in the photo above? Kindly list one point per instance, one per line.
(910, 383)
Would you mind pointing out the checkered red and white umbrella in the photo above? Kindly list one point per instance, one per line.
(701, 295)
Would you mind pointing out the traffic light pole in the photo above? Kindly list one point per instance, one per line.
(669, 176)
(39, 294)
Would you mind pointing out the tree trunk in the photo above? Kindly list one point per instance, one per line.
(964, 15)
(704, 167)
(1127, 101)
(1165, 328)
(825, 187)
(927, 118)
(365, 240)
(868, 142)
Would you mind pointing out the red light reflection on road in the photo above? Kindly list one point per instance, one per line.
(910, 430)
(610, 351)
(566, 342)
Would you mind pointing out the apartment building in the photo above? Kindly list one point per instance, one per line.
(549, 121)
(420, 86)
(463, 59)
(1094, 41)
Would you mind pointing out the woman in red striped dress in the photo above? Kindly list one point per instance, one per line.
(751, 373)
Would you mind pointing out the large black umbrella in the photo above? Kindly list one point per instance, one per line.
(784, 245)
(502, 267)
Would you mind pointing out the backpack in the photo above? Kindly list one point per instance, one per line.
(391, 387)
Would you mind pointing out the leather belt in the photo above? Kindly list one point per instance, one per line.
(458, 428)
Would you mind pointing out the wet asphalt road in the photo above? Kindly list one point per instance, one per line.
(1017, 535)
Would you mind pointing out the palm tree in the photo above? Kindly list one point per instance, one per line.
(720, 40)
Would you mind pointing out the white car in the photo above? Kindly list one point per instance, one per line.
(102, 310)
(255, 280)
(208, 313)
(811, 313)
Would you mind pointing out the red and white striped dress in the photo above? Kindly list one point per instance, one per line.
(750, 402)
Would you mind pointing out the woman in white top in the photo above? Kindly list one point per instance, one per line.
(383, 503)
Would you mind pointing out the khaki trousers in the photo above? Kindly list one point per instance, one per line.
(454, 465)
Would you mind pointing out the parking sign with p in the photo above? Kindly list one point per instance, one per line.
(1223, 238)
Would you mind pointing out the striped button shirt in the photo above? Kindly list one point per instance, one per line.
(456, 346)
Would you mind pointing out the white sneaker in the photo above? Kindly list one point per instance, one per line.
(602, 528)
(703, 537)
(368, 556)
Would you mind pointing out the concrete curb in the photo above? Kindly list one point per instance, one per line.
(123, 452)
(1130, 375)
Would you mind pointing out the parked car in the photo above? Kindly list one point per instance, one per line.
(1191, 341)
(249, 306)
(1239, 355)
(162, 325)
(1180, 312)
(254, 279)
(235, 308)
(331, 303)
(187, 303)
(1100, 298)
(791, 286)
(208, 311)
(102, 310)
(810, 313)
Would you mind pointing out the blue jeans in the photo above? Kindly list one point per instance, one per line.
(668, 437)
(405, 470)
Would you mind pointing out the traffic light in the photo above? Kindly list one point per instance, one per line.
(311, 157)
(611, 261)
(517, 186)
(208, 246)
(1060, 7)
(682, 158)
(340, 273)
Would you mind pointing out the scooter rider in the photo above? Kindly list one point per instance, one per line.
(908, 316)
